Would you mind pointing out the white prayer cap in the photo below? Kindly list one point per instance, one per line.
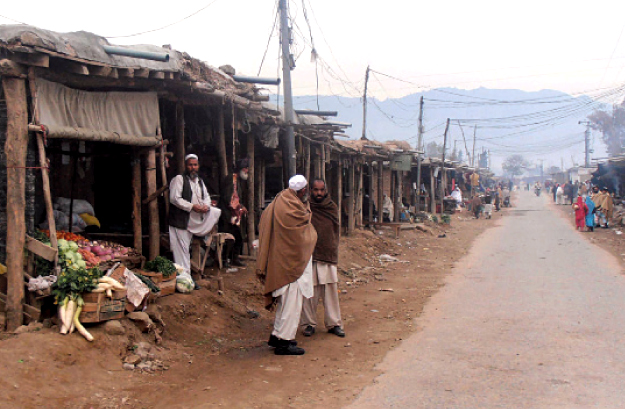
(190, 156)
(297, 183)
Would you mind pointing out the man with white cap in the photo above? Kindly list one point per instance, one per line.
(287, 239)
(191, 215)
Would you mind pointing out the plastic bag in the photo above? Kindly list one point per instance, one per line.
(80, 206)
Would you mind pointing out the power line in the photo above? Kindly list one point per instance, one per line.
(273, 29)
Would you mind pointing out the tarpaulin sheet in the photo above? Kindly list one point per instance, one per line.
(131, 113)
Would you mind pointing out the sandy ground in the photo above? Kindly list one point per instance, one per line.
(530, 318)
(216, 353)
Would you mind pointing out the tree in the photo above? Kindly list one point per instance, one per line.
(513, 165)
(612, 127)
(434, 150)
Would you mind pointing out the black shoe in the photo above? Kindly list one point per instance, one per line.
(338, 331)
(237, 263)
(308, 331)
(274, 341)
(196, 286)
(289, 350)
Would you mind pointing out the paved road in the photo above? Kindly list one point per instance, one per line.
(533, 317)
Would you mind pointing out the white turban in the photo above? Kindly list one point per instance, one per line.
(190, 156)
(297, 183)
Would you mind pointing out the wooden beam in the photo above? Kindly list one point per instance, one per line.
(40, 249)
(142, 73)
(34, 59)
(157, 75)
(339, 190)
(380, 191)
(126, 72)
(114, 73)
(370, 193)
(15, 150)
(322, 163)
(180, 143)
(251, 211)
(162, 160)
(10, 68)
(136, 204)
(155, 195)
(433, 189)
(154, 226)
(100, 71)
(351, 222)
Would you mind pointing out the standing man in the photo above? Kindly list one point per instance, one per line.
(191, 215)
(231, 202)
(287, 240)
(605, 206)
(325, 218)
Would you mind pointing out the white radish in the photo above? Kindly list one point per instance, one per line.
(114, 283)
(62, 316)
(109, 293)
(69, 313)
(77, 323)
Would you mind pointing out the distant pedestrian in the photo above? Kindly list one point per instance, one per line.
(560, 195)
(581, 210)
(554, 189)
(590, 215)
(476, 206)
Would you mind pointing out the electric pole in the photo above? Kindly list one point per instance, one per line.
(364, 106)
(473, 155)
(287, 66)
(586, 143)
(443, 178)
(419, 150)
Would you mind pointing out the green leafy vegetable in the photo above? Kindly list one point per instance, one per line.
(161, 265)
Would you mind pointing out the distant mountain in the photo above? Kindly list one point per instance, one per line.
(538, 125)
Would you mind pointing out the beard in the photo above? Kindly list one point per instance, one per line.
(243, 175)
(192, 175)
(319, 199)
(304, 198)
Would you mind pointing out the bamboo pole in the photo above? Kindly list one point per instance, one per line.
(154, 230)
(15, 150)
(251, 211)
(136, 204)
(180, 143)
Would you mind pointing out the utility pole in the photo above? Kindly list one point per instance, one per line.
(287, 66)
(473, 155)
(443, 178)
(419, 149)
(466, 148)
(586, 143)
(364, 106)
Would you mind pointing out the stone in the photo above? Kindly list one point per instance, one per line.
(141, 320)
(143, 350)
(154, 313)
(145, 366)
(132, 359)
(128, 367)
(114, 327)
(47, 323)
(32, 327)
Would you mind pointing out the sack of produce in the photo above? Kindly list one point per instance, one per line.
(184, 284)
(79, 206)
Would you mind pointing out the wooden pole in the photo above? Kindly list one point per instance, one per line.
(359, 195)
(380, 191)
(15, 150)
(370, 192)
(322, 165)
(180, 143)
(162, 160)
(45, 172)
(443, 176)
(307, 160)
(136, 204)
(433, 190)
(251, 218)
(258, 177)
(351, 200)
(397, 188)
(221, 144)
(339, 190)
(154, 231)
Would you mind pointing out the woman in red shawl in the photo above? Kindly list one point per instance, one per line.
(581, 210)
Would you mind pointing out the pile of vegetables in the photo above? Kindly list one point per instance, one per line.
(161, 265)
(43, 267)
(74, 280)
(65, 235)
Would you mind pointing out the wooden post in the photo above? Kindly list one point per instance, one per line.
(155, 230)
(433, 189)
(221, 144)
(359, 195)
(322, 163)
(258, 187)
(380, 190)
(351, 200)
(180, 144)
(15, 150)
(162, 160)
(398, 193)
(136, 203)
(339, 190)
(307, 160)
(251, 233)
(370, 192)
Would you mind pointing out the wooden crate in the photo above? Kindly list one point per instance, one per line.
(98, 307)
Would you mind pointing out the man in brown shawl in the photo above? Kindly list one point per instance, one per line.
(605, 207)
(325, 218)
(287, 239)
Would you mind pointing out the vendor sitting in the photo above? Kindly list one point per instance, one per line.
(191, 214)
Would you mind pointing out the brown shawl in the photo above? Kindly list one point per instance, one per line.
(286, 242)
(325, 218)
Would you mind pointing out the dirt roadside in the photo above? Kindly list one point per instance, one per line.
(215, 351)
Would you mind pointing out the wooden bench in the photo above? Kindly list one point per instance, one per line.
(395, 226)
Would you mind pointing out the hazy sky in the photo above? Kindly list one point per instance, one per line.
(530, 45)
